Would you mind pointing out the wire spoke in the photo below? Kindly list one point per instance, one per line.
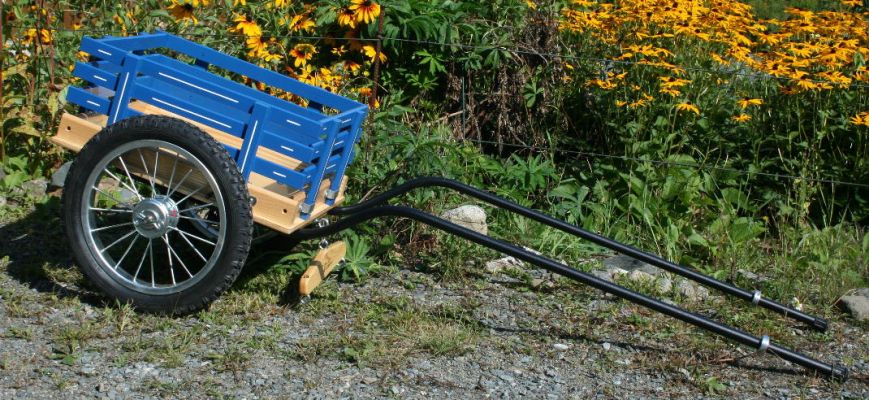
(196, 207)
(145, 166)
(156, 163)
(172, 175)
(169, 254)
(142, 261)
(192, 193)
(118, 241)
(127, 171)
(112, 227)
(130, 247)
(122, 182)
(151, 253)
(117, 210)
(199, 219)
(194, 248)
(183, 178)
(171, 250)
(112, 197)
(194, 236)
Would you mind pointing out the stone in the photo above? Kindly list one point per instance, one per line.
(560, 346)
(691, 291)
(59, 176)
(35, 187)
(856, 304)
(607, 346)
(468, 216)
(665, 285)
(2, 201)
(629, 264)
(2, 174)
(499, 265)
(640, 276)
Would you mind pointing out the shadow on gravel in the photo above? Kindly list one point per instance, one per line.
(37, 251)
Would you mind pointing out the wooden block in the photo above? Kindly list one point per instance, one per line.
(324, 262)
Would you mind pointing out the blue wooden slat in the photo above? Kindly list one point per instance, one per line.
(281, 174)
(95, 75)
(344, 159)
(142, 41)
(319, 171)
(102, 50)
(87, 100)
(288, 147)
(213, 118)
(263, 75)
(283, 118)
(184, 79)
(302, 115)
(252, 135)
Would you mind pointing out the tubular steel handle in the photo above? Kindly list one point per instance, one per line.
(360, 215)
(752, 296)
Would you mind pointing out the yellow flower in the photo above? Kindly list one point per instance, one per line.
(852, 3)
(745, 103)
(269, 57)
(352, 66)
(346, 17)
(861, 119)
(300, 22)
(366, 10)
(182, 11)
(237, 2)
(605, 85)
(371, 53)
(531, 4)
(256, 46)
(281, 3)
(741, 118)
(247, 26)
(621, 103)
(688, 107)
(302, 53)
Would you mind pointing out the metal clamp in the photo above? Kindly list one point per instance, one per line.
(755, 298)
(764, 343)
(331, 194)
(322, 222)
(306, 208)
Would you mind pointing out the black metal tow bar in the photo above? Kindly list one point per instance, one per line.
(372, 208)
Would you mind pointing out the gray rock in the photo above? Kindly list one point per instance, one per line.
(59, 176)
(2, 174)
(665, 285)
(560, 346)
(691, 291)
(607, 346)
(499, 265)
(35, 187)
(640, 276)
(2, 201)
(468, 216)
(629, 264)
(857, 304)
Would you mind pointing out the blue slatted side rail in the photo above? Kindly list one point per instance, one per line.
(128, 69)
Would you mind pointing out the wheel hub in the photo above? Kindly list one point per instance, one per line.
(155, 216)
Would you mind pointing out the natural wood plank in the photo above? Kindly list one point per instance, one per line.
(324, 262)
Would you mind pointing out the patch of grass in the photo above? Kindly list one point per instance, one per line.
(776, 8)
(234, 358)
(70, 340)
(17, 332)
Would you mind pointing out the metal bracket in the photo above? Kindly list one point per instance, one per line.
(764, 343)
(755, 298)
(306, 208)
(331, 194)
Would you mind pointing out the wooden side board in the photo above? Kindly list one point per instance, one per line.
(276, 207)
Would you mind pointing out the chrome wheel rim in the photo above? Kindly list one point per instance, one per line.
(144, 211)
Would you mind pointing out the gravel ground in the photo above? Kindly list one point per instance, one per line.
(404, 334)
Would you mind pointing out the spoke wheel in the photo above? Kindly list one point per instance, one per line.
(157, 214)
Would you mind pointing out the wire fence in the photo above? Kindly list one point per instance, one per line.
(555, 56)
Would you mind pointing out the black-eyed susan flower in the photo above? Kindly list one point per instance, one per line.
(371, 53)
(861, 119)
(366, 10)
(745, 103)
(302, 53)
(246, 25)
(182, 11)
(688, 107)
(741, 118)
(346, 17)
(300, 22)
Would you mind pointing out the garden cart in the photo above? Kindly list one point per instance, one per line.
(177, 161)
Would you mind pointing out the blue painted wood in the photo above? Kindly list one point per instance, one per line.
(95, 75)
(322, 143)
(87, 100)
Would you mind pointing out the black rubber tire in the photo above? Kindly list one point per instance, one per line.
(237, 203)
